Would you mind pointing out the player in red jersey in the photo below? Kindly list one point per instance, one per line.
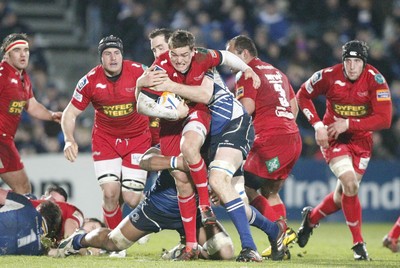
(187, 65)
(16, 95)
(72, 218)
(358, 102)
(391, 240)
(277, 144)
(120, 135)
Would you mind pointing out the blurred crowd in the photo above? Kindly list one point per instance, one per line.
(299, 37)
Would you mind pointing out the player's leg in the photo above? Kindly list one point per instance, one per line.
(17, 180)
(193, 137)
(12, 170)
(108, 174)
(391, 240)
(216, 243)
(222, 168)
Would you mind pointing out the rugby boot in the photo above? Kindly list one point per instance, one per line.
(66, 247)
(277, 247)
(188, 254)
(290, 238)
(360, 252)
(391, 244)
(207, 216)
(305, 230)
(248, 255)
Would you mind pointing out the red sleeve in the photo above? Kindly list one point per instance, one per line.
(381, 115)
(312, 88)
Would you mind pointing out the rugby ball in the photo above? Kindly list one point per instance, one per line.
(169, 100)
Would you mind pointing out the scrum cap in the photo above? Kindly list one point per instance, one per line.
(110, 41)
(355, 49)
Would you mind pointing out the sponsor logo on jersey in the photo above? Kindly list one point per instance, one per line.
(277, 77)
(136, 65)
(264, 67)
(308, 114)
(16, 107)
(379, 78)
(309, 87)
(163, 62)
(82, 83)
(100, 85)
(383, 94)
(130, 89)
(346, 110)
(135, 158)
(14, 81)
(118, 110)
(340, 83)
(363, 163)
(95, 153)
(273, 164)
(199, 78)
(78, 96)
(336, 150)
(316, 77)
(239, 92)
(362, 94)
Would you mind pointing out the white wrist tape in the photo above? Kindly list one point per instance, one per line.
(318, 125)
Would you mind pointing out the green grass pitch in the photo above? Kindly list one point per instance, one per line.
(329, 246)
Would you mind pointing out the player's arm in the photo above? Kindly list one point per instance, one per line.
(147, 105)
(68, 122)
(248, 104)
(37, 110)
(153, 160)
(199, 94)
(307, 106)
(234, 62)
(149, 78)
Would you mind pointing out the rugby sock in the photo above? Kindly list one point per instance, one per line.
(198, 172)
(325, 208)
(76, 241)
(261, 204)
(395, 231)
(112, 218)
(352, 212)
(280, 210)
(262, 223)
(237, 213)
(188, 209)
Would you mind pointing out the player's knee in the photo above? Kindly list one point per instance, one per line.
(119, 240)
(220, 172)
(133, 185)
(220, 246)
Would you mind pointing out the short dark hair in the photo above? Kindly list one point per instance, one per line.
(57, 189)
(181, 38)
(52, 217)
(242, 42)
(12, 38)
(161, 31)
(95, 220)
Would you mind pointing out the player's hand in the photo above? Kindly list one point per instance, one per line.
(151, 78)
(336, 128)
(321, 137)
(249, 73)
(182, 109)
(56, 116)
(71, 150)
(166, 85)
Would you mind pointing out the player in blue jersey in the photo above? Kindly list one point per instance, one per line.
(23, 229)
(158, 211)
